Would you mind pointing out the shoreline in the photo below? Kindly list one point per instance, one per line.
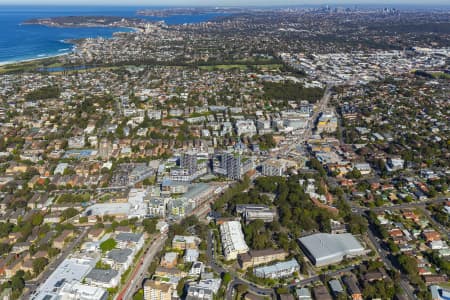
(27, 60)
(59, 54)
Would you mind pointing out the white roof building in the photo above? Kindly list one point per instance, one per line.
(245, 127)
(233, 241)
(71, 269)
(325, 249)
(439, 293)
(77, 291)
(60, 168)
(278, 270)
(135, 207)
(191, 255)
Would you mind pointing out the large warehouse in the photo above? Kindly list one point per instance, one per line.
(325, 249)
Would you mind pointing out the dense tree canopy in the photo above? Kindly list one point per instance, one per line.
(44, 93)
(289, 90)
(149, 225)
(39, 265)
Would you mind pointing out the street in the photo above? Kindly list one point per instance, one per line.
(307, 132)
(235, 279)
(32, 285)
(253, 288)
(139, 273)
(407, 288)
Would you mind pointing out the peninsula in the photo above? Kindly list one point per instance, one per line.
(84, 21)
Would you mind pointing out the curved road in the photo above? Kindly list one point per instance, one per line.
(235, 279)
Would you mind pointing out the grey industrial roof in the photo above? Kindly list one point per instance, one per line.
(336, 286)
(100, 275)
(198, 293)
(119, 255)
(303, 292)
(351, 284)
(128, 237)
(280, 266)
(325, 246)
(169, 182)
(196, 189)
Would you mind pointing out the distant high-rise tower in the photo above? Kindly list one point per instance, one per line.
(104, 149)
(189, 161)
(233, 166)
(228, 164)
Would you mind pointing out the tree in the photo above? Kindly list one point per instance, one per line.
(39, 265)
(393, 247)
(257, 236)
(242, 288)
(355, 173)
(108, 245)
(432, 192)
(52, 252)
(139, 295)
(4, 248)
(37, 219)
(5, 229)
(149, 225)
(315, 164)
(226, 278)
(282, 290)
(409, 265)
(69, 213)
(83, 220)
(266, 184)
(17, 282)
(283, 240)
(289, 90)
(357, 224)
(101, 265)
(180, 287)
(44, 93)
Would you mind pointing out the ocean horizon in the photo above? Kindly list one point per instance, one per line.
(20, 42)
(28, 42)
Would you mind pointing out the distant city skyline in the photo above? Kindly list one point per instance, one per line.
(223, 2)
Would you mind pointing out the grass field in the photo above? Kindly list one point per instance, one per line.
(31, 65)
(241, 67)
(441, 75)
(53, 62)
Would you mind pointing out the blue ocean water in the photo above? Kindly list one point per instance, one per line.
(22, 42)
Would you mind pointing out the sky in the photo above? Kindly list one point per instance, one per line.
(218, 2)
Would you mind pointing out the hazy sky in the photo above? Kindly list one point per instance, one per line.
(217, 2)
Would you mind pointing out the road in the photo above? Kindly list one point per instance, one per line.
(384, 255)
(307, 132)
(442, 229)
(421, 204)
(156, 246)
(32, 285)
(99, 189)
(253, 288)
(318, 277)
(139, 273)
(235, 279)
(321, 106)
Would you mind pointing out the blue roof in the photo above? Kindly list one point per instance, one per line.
(196, 189)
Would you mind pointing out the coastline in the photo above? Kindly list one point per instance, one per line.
(34, 59)
(71, 48)
(36, 56)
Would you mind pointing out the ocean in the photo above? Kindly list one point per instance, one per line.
(23, 42)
